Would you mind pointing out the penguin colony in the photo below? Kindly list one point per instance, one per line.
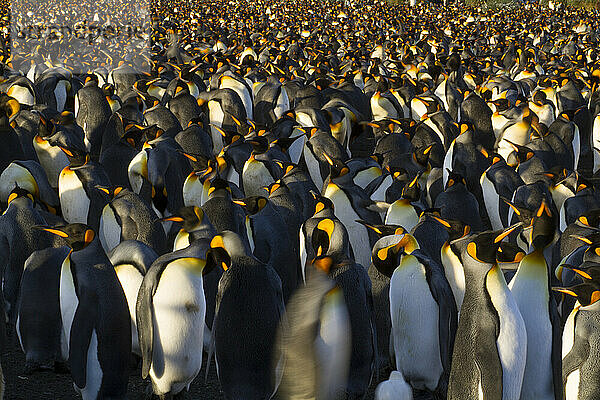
(313, 195)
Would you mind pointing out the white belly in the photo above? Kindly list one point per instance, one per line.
(255, 177)
(93, 373)
(568, 340)
(379, 193)
(60, 94)
(415, 319)
(110, 230)
(74, 202)
(313, 167)
(194, 193)
(512, 338)
(532, 297)
(21, 94)
(182, 240)
(137, 171)
(216, 115)
(402, 213)
(333, 345)
(455, 274)
(52, 159)
(68, 305)
(491, 201)
(131, 280)
(357, 233)
(13, 175)
(179, 310)
(283, 103)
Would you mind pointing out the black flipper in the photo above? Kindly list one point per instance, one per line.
(81, 336)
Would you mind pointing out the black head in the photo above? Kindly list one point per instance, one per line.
(383, 230)
(337, 168)
(18, 192)
(110, 192)
(386, 256)
(544, 227)
(587, 293)
(456, 229)
(77, 158)
(226, 246)
(322, 203)
(190, 217)
(76, 236)
(260, 144)
(411, 190)
(252, 204)
(483, 246)
(10, 108)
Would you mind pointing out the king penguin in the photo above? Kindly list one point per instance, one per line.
(39, 323)
(248, 311)
(131, 260)
(530, 288)
(96, 327)
(171, 328)
(490, 349)
(316, 338)
(580, 350)
(418, 288)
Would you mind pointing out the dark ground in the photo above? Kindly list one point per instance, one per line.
(51, 385)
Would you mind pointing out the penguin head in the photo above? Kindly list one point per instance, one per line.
(590, 219)
(588, 271)
(588, 293)
(274, 187)
(10, 108)
(190, 217)
(77, 158)
(133, 136)
(383, 230)
(76, 236)
(455, 179)
(90, 80)
(18, 192)
(108, 89)
(198, 161)
(387, 252)
(520, 154)
(509, 253)
(456, 229)
(421, 155)
(322, 203)
(253, 204)
(337, 168)
(411, 190)
(260, 144)
(219, 185)
(110, 192)
(484, 246)
(544, 226)
(225, 247)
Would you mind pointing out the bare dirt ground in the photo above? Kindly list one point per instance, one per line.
(51, 385)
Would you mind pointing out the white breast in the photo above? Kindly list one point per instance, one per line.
(193, 191)
(131, 280)
(455, 274)
(512, 338)
(491, 200)
(52, 159)
(402, 213)
(179, 310)
(255, 176)
(568, 340)
(359, 238)
(93, 371)
(110, 230)
(68, 305)
(138, 171)
(216, 116)
(74, 202)
(415, 325)
(332, 345)
(530, 291)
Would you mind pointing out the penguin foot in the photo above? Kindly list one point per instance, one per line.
(34, 366)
